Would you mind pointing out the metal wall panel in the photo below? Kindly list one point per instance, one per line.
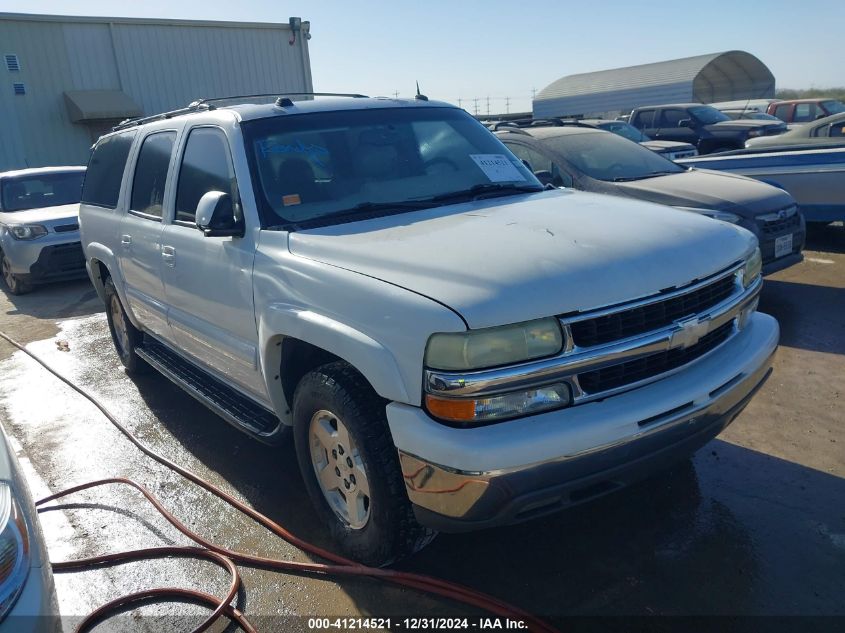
(160, 64)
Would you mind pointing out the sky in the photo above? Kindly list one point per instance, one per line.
(463, 50)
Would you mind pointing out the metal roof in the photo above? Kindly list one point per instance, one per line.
(703, 79)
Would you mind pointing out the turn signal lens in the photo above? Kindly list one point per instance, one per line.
(753, 267)
(506, 405)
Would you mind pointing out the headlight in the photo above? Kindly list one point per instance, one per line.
(14, 550)
(724, 216)
(490, 347)
(753, 267)
(753, 133)
(501, 406)
(27, 231)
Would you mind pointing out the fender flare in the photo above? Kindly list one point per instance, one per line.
(99, 253)
(368, 356)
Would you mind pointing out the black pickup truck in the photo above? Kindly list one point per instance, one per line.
(701, 125)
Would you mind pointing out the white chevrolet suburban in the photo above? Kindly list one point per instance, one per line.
(451, 345)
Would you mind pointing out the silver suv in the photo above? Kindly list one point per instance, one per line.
(451, 345)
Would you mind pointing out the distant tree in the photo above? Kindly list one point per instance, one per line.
(811, 93)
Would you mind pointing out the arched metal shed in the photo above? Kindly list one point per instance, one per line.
(727, 76)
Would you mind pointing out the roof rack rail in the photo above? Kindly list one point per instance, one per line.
(205, 104)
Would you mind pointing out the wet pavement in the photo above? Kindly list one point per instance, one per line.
(754, 524)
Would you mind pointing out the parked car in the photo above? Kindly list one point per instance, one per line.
(805, 110)
(27, 595)
(667, 149)
(39, 228)
(745, 105)
(813, 174)
(593, 160)
(387, 282)
(827, 131)
(700, 125)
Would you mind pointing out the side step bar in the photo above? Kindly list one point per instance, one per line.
(226, 402)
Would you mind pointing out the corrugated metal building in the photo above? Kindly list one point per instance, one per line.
(724, 76)
(68, 79)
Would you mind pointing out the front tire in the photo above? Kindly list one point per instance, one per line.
(12, 281)
(350, 466)
(125, 336)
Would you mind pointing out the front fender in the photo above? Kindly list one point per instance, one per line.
(361, 351)
(95, 254)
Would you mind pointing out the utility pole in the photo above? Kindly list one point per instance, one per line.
(460, 103)
(507, 105)
(488, 105)
(475, 106)
(395, 94)
(533, 94)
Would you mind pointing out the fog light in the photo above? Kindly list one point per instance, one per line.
(499, 407)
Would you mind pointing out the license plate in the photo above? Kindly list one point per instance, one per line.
(783, 245)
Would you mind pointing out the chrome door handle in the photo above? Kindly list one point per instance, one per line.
(126, 241)
(168, 254)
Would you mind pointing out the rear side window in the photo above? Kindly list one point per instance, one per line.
(643, 119)
(105, 170)
(206, 166)
(151, 173)
(804, 112)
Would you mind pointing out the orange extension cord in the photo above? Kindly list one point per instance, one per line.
(228, 559)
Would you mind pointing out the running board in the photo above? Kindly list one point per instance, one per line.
(226, 402)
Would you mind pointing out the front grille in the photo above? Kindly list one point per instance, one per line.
(66, 228)
(61, 259)
(780, 226)
(635, 370)
(625, 323)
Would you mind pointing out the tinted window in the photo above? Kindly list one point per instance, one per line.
(782, 112)
(105, 170)
(804, 112)
(624, 129)
(837, 129)
(833, 107)
(43, 190)
(206, 166)
(307, 168)
(151, 173)
(671, 118)
(644, 118)
(609, 157)
(708, 115)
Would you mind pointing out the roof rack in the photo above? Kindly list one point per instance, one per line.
(203, 105)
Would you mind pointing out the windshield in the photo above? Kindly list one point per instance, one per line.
(609, 157)
(43, 190)
(625, 129)
(833, 107)
(708, 114)
(313, 167)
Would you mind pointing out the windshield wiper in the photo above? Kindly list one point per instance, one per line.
(364, 208)
(485, 188)
(643, 177)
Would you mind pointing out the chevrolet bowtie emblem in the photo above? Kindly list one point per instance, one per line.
(689, 333)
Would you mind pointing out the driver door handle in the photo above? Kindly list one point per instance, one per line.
(126, 241)
(168, 254)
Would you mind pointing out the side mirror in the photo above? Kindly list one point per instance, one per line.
(544, 176)
(685, 123)
(216, 215)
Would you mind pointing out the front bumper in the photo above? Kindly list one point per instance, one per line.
(462, 479)
(54, 257)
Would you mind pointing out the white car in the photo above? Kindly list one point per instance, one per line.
(27, 596)
(39, 226)
(451, 345)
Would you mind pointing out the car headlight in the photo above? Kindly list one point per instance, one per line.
(14, 549)
(724, 216)
(479, 410)
(753, 267)
(491, 347)
(754, 133)
(27, 231)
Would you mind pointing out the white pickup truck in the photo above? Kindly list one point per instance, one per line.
(451, 345)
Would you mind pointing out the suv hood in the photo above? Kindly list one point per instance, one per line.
(663, 146)
(506, 260)
(48, 216)
(705, 189)
(746, 124)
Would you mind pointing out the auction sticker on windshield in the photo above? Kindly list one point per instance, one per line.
(497, 167)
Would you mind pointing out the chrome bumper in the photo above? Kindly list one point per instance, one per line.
(464, 479)
(566, 366)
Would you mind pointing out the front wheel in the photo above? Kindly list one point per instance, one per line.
(12, 281)
(350, 466)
